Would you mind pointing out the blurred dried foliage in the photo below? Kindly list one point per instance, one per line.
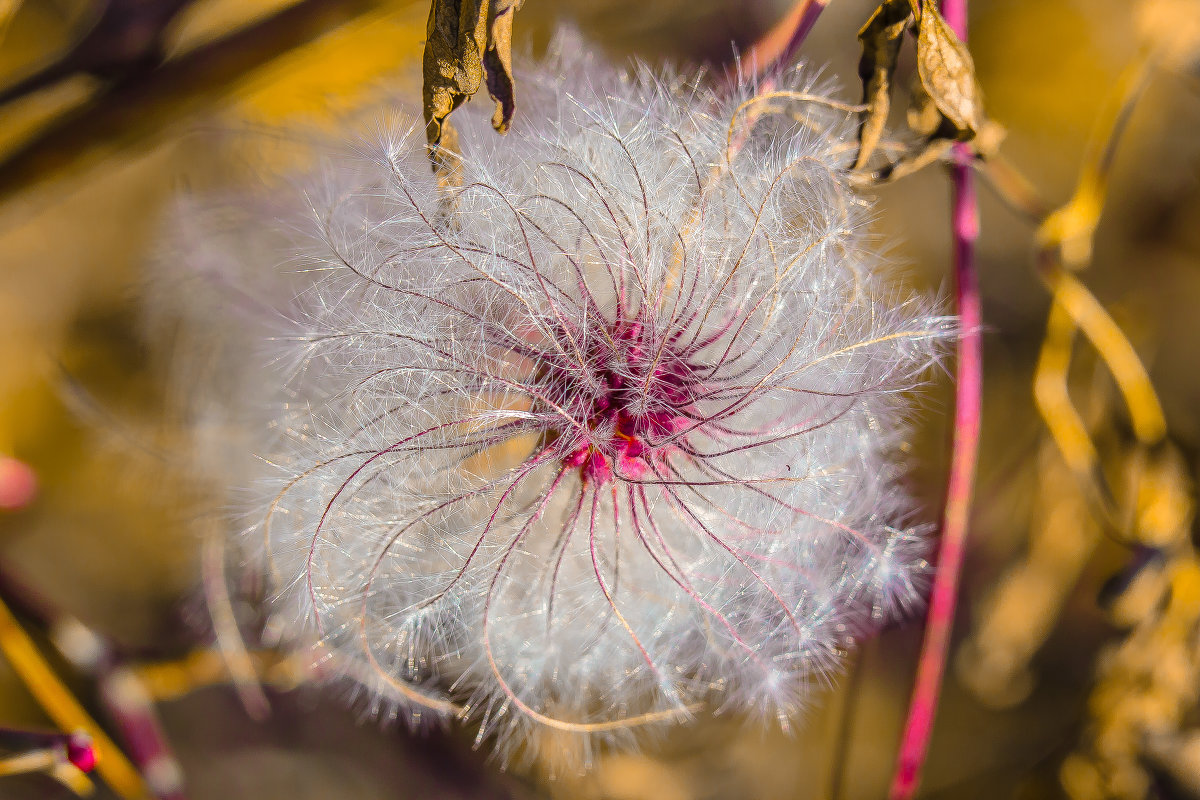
(1079, 662)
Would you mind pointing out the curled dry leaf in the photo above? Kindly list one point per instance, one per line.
(880, 37)
(948, 73)
(946, 104)
(497, 61)
(923, 115)
(467, 40)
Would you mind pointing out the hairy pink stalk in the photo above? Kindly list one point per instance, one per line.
(931, 667)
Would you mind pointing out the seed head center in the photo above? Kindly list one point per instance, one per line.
(633, 397)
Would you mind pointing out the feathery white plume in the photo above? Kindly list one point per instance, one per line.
(607, 440)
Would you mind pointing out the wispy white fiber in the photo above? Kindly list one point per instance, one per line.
(610, 441)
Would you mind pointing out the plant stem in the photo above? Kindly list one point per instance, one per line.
(778, 47)
(931, 666)
(62, 707)
(119, 688)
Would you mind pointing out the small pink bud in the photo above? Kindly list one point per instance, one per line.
(81, 752)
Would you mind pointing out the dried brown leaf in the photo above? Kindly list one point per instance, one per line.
(456, 36)
(923, 115)
(467, 41)
(880, 37)
(947, 73)
(497, 60)
(445, 158)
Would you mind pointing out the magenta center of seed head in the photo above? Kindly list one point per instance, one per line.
(645, 392)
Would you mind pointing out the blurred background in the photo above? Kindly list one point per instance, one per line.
(1043, 698)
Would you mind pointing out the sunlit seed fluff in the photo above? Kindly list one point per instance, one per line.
(609, 441)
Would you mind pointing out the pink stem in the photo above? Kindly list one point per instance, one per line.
(778, 46)
(136, 720)
(914, 743)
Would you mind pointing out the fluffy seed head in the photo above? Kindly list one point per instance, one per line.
(606, 435)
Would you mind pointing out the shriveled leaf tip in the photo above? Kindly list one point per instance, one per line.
(948, 73)
(467, 42)
(947, 103)
(880, 37)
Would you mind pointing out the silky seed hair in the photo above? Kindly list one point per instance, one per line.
(602, 437)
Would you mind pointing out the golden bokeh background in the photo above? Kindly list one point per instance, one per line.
(85, 179)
